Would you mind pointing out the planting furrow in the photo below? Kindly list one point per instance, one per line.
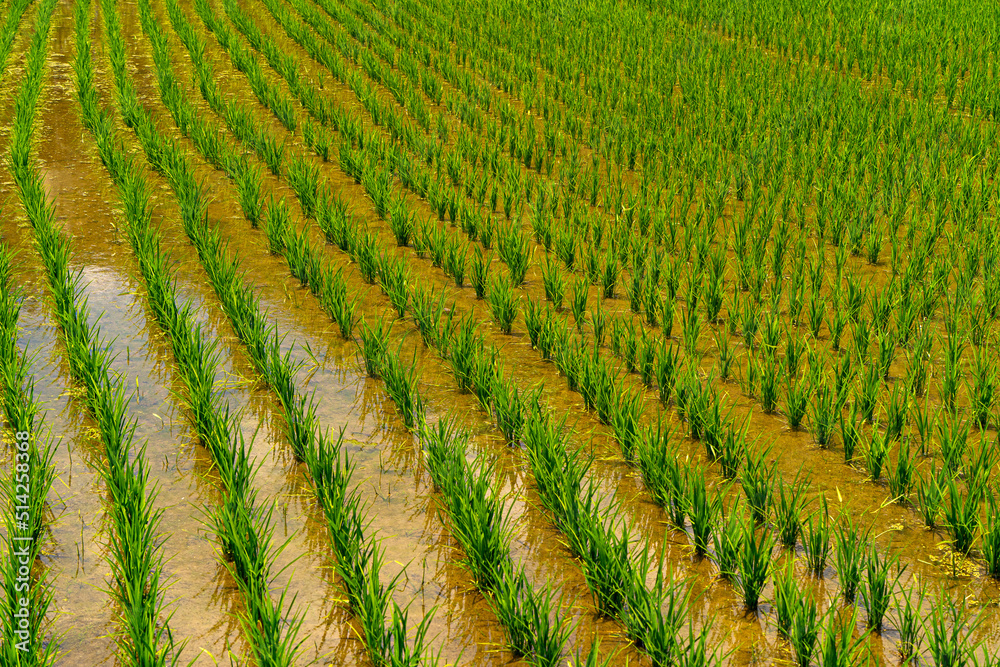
(135, 553)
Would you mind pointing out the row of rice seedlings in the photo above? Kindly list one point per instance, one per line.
(134, 554)
(652, 616)
(27, 596)
(359, 561)
(479, 518)
(12, 21)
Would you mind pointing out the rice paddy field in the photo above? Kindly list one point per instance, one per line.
(397, 333)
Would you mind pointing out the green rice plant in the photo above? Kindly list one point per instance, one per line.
(625, 421)
(303, 176)
(396, 277)
(962, 516)
(867, 392)
(658, 461)
(770, 334)
(953, 437)
(886, 354)
(510, 409)
(636, 290)
(838, 646)
(274, 154)
(817, 310)
(598, 320)
(402, 223)
(727, 541)
(979, 466)
(790, 501)
(578, 302)
(876, 453)
(480, 272)
(769, 376)
(851, 543)
(949, 629)
(845, 372)
(816, 540)
(695, 651)
(930, 494)
(455, 261)
(436, 242)
(733, 449)
(896, 413)
(534, 323)
(373, 345)
(333, 218)
(786, 596)
(651, 303)
(609, 276)
(749, 324)
(655, 613)
(554, 284)
(515, 252)
(429, 311)
(726, 354)
(991, 538)
(401, 385)
(703, 509)
(836, 321)
(878, 585)
(667, 309)
(754, 562)
(248, 190)
(952, 373)
(666, 370)
(758, 481)
(647, 360)
(565, 248)
(850, 432)
(503, 303)
(908, 602)
(902, 476)
(804, 631)
(333, 297)
(823, 413)
(692, 329)
(366, 254)
(796, 401)
(861, 336)
(982, 387)
(276, 225)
